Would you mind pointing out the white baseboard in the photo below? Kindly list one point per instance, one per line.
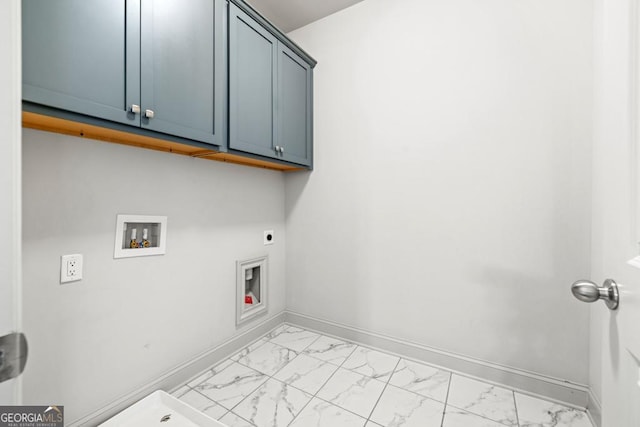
(594, 409)
(575, 395)
(181, 374)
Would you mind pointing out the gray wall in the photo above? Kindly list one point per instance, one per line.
(131, 320)
(450, 205)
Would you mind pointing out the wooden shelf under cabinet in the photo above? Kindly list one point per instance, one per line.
(68, 127)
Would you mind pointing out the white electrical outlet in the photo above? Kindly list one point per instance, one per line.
(268, 237)
(70, 268)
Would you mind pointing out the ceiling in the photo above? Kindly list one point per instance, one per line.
(289, 15)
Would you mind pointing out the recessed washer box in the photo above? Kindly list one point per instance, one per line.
(140, 235)
(251, 286)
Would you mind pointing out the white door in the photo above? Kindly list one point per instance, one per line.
(10, 135)
(615, 354)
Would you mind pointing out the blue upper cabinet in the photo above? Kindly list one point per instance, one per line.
(252, 85)
(75, 56)
(182, 93)
(270, 92)
(157, 64)
(294, 107)
(208, 75)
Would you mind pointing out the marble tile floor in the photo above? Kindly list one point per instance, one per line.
(298, 378)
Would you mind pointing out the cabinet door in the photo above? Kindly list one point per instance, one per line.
(82, 56)
(252, 85)
(181, 44)
(294, 107)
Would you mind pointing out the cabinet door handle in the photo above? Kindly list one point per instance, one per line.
(281, 150)
(135, 109)
(149, 114)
